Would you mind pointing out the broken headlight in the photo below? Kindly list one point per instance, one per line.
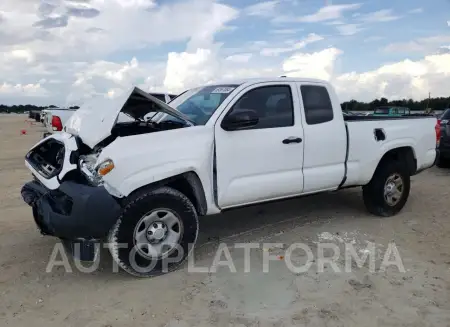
(88, 169)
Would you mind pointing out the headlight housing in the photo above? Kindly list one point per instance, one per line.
(95, 173)
(105, 167)
(87, 168)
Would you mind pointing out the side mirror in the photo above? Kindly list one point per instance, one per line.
(240, 119)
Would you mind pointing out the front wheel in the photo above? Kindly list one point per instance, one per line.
(155, 233)
(387, 192)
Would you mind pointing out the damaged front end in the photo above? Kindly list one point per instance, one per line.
(65, 202)
(80, 215)
(47, 158)
(52, 159)
(68, 197)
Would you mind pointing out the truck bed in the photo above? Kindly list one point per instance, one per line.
(369, 138)
(366, 118)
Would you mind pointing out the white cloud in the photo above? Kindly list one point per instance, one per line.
(50, 64)
(103, 77)
(96, 29)
(22, 90)
(262, 9)
(286, 31)
(242, 57)
(21, 54)
(349, 29)
(380, 16)
(415, 11)
(373, 39)
(422, 45)
(189, 69)
(448, 23)
(121, 22)
(335, 22)
(133, 3)
(323, 14)
(311, 38)
(405, 79)
(313, 65)
(329, 12)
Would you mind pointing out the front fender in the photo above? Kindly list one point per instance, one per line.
(153, 175)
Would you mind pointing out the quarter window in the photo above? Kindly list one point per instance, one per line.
(317, 104)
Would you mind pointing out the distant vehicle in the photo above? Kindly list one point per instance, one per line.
(35, 114)
(444, 140)
(143, 183)
(391, 111)
(44, 113)
(55, 118)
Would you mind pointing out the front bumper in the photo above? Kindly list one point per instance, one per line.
(73, 211)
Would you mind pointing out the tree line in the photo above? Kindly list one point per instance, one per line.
(352, 105)
(432, 103)
(28, 107)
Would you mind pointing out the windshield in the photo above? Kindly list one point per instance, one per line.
(199, 104)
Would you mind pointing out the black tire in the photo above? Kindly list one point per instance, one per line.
(135, 208)
(442, 162)
(373, 193)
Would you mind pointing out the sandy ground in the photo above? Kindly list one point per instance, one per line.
(419, 296)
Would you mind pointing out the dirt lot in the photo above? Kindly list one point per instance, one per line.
(419, 296)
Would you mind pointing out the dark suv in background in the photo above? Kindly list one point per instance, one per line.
(444, 143)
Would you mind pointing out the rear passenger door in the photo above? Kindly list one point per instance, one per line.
(325, 138)
(265, 161)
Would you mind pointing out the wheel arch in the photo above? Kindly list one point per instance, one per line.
(405, 154)
(188, 183)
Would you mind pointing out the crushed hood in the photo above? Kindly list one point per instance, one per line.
(95, 119)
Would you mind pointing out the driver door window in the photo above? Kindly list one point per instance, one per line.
(273, 105)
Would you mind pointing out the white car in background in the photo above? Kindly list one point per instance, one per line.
(54, 119)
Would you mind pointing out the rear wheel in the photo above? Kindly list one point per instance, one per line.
(155, 233)
(387, 192)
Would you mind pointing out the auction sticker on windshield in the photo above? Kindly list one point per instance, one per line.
(223, 90)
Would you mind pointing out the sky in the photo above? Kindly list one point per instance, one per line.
(65, 52)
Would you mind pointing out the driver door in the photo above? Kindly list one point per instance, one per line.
(262, 162)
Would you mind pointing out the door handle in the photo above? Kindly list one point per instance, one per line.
(292, 139)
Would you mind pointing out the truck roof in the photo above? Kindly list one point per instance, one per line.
(273, 79)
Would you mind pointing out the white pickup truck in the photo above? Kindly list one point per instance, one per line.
(142, 184)
(55, 118)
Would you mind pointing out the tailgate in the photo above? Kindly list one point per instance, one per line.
(50, 159)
